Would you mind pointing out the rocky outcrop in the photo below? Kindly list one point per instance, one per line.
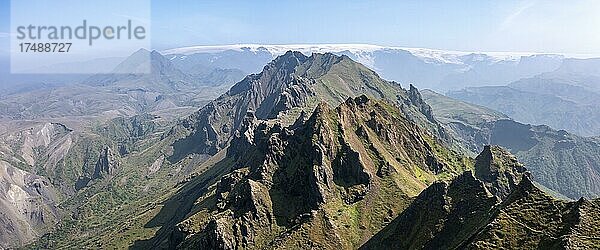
(106, 167)
(107, 164)
(415, 98)
(499, 170)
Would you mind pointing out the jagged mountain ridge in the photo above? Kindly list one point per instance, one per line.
(144, 166)
(285, 182)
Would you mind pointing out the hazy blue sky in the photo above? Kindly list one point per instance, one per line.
(534, 26)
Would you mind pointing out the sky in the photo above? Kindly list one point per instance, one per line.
(546, 26)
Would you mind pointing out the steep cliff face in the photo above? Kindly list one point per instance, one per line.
(489, 210)
(213, 125)
(105, 167)
(330, 181)
(107, 164)
(287, 86)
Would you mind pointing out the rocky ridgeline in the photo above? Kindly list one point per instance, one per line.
(497, 207)
(343, 172)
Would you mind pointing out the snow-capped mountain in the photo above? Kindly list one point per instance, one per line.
(440, 70)
(362, 51)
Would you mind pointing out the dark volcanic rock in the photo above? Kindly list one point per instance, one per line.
(107, 164)
(499, 170)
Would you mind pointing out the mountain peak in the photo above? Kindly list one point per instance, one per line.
(289, 61)
(294, 54)
(526, 189)
(141, 51)
(499, 169)
(137, 63)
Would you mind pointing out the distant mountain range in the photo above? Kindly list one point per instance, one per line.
(566, 98)
(425, 68)
(439, 70)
